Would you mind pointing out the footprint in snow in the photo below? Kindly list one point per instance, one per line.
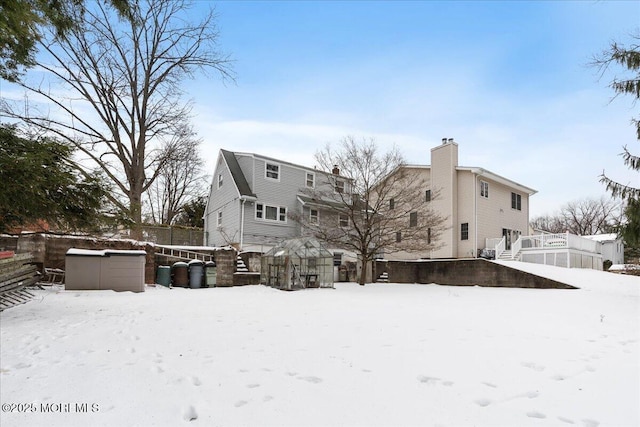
(240, 403)
(190, 414)
(490, 385)
(534, 366)
(428, 380)
(253, 385)
(566, 420)
(196, 381)
(483, 402)
(311, 379)
(536, 414)
(590, 423)
(267, 398)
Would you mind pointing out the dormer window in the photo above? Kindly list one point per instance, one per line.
(272, 171)
(311, 180)
(339, 186)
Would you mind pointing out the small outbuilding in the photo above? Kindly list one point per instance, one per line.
(118, 270)
(297, 264)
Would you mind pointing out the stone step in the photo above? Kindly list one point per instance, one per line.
(240, 266)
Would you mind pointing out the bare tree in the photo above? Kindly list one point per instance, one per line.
(123, 100)
(582, 217)
(549, 223)
(357, 215)
(180, 179)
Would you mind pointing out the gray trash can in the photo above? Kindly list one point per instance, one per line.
(196, 272)
(211, 272)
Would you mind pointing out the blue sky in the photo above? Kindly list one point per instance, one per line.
(508, 80)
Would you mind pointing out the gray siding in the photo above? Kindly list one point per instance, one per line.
(226, 200)
(278, 193)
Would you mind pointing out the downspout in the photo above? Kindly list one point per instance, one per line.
(242, 222)
(475, 214)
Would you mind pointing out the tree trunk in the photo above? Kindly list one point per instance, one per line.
(135, 208)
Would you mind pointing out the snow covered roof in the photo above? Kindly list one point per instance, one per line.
(610, 237)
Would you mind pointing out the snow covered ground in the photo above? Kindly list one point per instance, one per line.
(383, 354)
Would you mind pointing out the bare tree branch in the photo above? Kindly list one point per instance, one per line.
(353, 209)
(122, 106)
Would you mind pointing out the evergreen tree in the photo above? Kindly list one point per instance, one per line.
(39, 183)
(628, 58)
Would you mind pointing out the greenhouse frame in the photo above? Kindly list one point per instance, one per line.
(298, 264)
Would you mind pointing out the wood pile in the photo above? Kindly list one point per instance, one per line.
(16, 273)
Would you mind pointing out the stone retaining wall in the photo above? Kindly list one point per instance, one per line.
(463, 272)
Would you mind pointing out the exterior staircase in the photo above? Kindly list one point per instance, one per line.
(241, 266)
(383, 278)
(505, 256)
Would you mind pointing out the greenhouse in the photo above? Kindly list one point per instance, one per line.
(297, 264)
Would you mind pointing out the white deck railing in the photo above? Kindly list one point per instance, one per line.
(554, 241)
(501, 247)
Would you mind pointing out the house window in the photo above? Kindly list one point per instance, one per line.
(220, 180)
(339, 186)
(272, 171)
(484, 189)
(464, 231)
(427, 196)
(516, 201)
(311, 180)
(219, 221)
(271, 213)
(398, 237)
(392, 204)
(344, 220)
(413, 219)
(337, 259)
(313, 216)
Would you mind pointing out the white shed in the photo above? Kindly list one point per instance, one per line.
(612, 247)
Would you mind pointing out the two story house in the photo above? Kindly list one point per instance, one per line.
(252, 197)
(479, 206)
